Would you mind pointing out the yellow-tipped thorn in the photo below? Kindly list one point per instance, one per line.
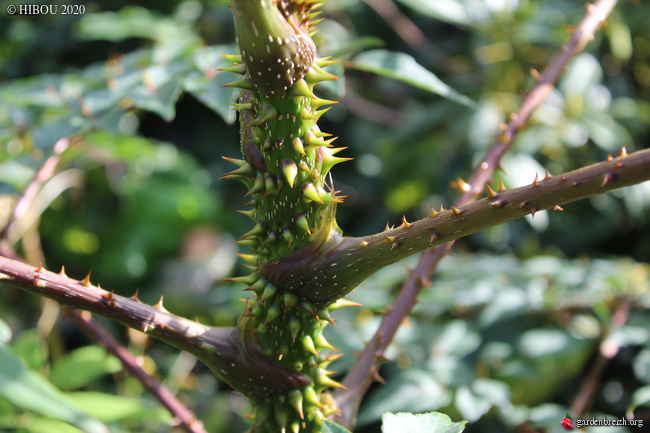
(301, 221)
(535, 183)
(308, 344)
(343, 303)
(547, 174)
(290, 171)
(159, 305)
(86, 281)
(310, 192)
(491, 193)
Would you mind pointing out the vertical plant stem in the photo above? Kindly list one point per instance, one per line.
(607, 350)
(366, 368)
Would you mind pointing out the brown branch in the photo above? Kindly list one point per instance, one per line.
(186, 419)
(607, 350)
(360, 376)
(236, 360)
(182, 415)
(353, 259)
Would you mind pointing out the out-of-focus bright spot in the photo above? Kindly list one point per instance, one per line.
(642, 75)
(613, 391)
(369, 165)
(80, 241)
(201, 178)
(166, 158)
(189, 11)
(405, 196)
(129, 123)
(136, 264)
(493, 53)
(575, 134)
(144, 166)
(599, 98)
(187, 207)
(14, 147)
(620, 40)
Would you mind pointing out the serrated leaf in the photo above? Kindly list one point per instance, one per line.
(82, 366)
(27, 389)
(404, 68)
(432, 422)
(332, 427)
(160, 101)
(206, 83)
(211, 93)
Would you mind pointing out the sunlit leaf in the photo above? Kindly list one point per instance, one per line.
(121, 408)
(404, 68)
(410, 390)
(432, 422)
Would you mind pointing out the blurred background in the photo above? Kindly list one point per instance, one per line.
(509, 333)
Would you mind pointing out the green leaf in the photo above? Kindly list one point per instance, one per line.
(82, 366)
(641, 365)
(432, 422)
(412, 389)
(29, 348)
(404, 68)
(641, 397)
(452, 11)
(27, 389)
(109, 407)
(332, 427)
(471, 405)
(49, 425)
(206, 85)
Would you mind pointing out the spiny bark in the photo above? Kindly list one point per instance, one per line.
(360, 377)
(343, 266)
(236, 361)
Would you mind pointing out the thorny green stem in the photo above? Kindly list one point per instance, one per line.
(245, 366)
(361, 375)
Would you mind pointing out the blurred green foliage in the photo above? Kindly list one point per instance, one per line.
(505, 336)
